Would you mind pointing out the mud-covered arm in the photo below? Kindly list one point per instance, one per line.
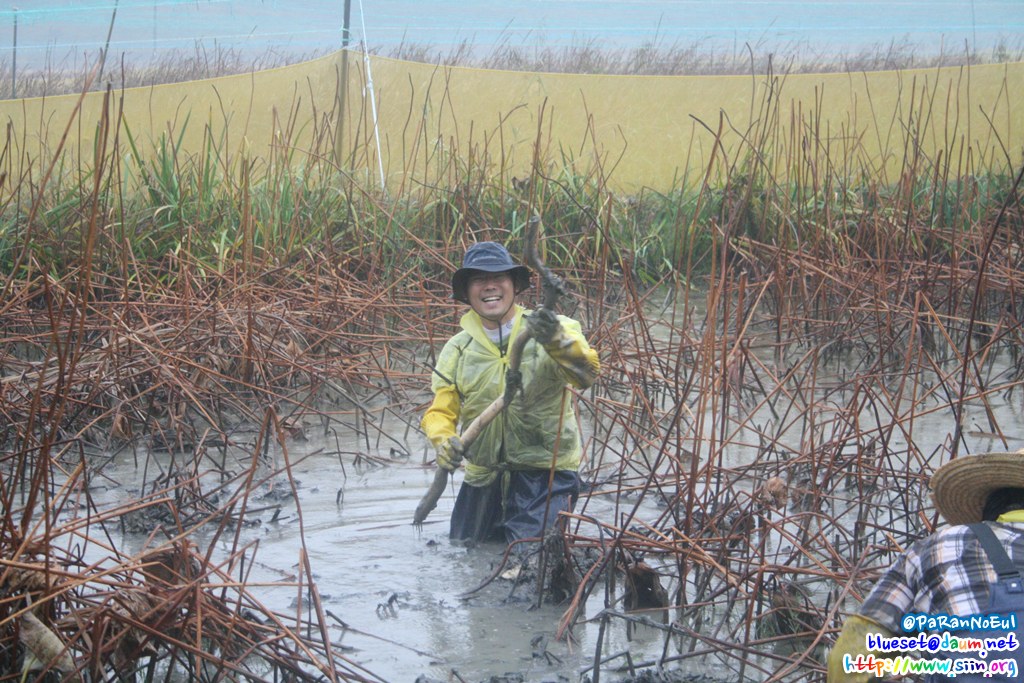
(577, 361)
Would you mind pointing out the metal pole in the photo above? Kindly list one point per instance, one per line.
(348, 14)
(339, 151)
(373, 99)
(14, 58)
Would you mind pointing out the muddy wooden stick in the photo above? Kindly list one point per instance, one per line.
(553, 287)
(433, 494)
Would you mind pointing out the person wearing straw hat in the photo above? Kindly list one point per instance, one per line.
(522, 469)
(973, 568)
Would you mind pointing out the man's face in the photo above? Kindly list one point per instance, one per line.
(491, 295)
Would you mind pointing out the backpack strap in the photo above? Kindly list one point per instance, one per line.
(1005, 569)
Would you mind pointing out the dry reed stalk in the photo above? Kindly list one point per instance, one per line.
(121, 613)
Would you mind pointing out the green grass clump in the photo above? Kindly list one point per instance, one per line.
(263, 213)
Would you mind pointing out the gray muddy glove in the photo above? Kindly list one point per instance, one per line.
(450, 453)
(543, 325)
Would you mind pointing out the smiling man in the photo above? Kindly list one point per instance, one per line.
(522, 469)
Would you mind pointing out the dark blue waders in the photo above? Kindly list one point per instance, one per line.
(1007, 600)
(513, 510)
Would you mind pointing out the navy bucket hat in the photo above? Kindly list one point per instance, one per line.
(488, 257)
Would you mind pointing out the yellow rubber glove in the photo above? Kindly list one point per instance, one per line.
(443, 414)
(449, 453)
(851, 642)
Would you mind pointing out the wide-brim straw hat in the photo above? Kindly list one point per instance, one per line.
(961, 486)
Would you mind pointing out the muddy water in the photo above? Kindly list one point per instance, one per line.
(398, 588)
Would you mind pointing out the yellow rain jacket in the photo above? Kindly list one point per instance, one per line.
(470, 374)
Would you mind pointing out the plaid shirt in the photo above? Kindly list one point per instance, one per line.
(945, 573)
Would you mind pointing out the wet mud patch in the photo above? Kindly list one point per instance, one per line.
(655, 676)
(644, 676)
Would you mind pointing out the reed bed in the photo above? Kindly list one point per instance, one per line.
(68, 75)
(663, 58)
(769, 349)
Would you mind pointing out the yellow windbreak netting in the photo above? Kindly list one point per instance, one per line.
(432, 124)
